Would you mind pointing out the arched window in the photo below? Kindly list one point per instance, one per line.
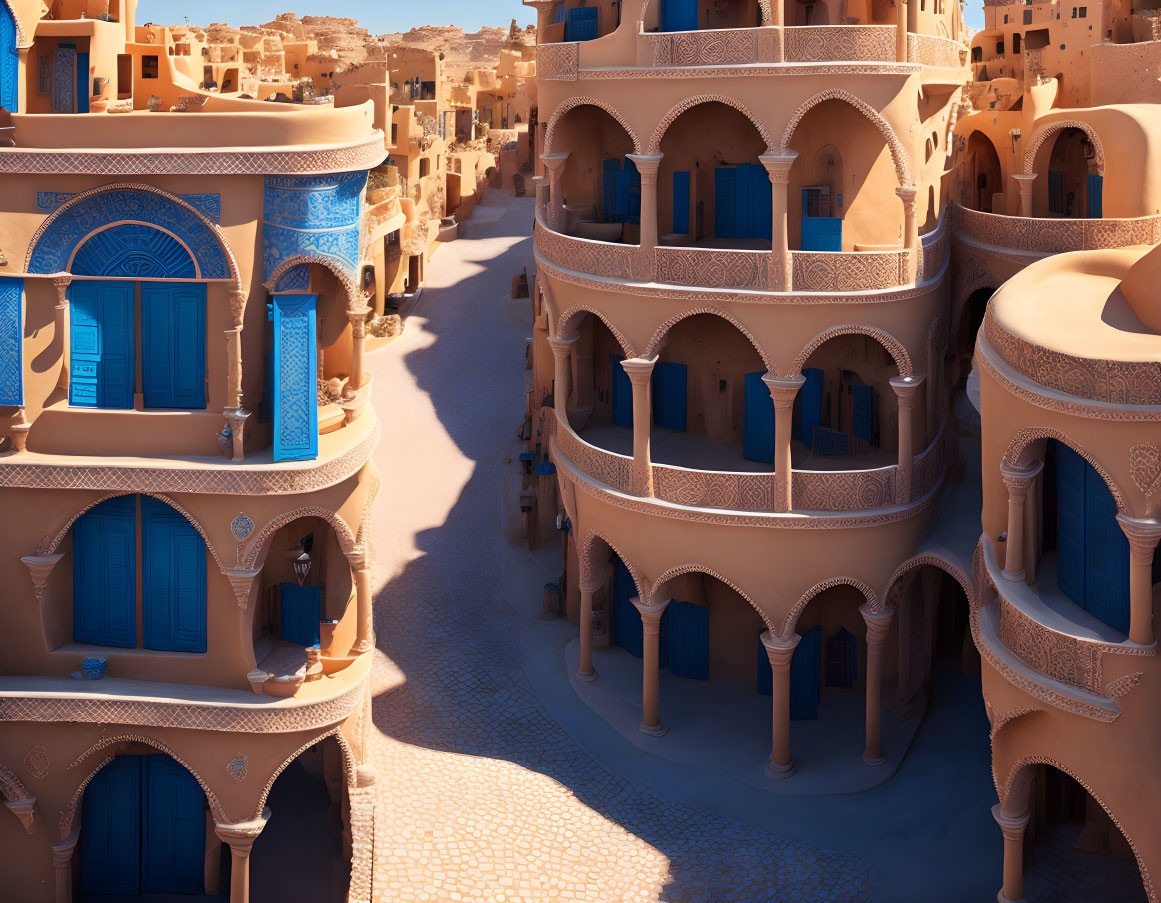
(111, 587)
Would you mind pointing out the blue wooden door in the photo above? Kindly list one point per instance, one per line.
(174, 837)
(621, 178)
(622, 392)
(1070, 522)
(688, 640)
(301, 610)
(758, 422)
(110, 855)
(101, 347)
(1095, 196)
(862, 402)
(1106, 555)
(64, 79)
(804, 676)
(681, 203)
(679, 15)
(84, 85)
(173, 580)
(810, 404)
(9, 61)
(580, 24)
(669, 395)
(609, 171)
(822, 233)
(173, 344)
(11, 339)
(726, 202)
(105, 574)
(295, 379)
(626, 619)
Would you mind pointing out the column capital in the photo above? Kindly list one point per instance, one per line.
(62, 850)
(780, 649)
(778, 165)
(241, 835)
(650, 614)
(783, 389)
(640, 369)
(1024, 178)
(907, 194)
(878, 625)
(555, 162)
(647, 165)
(1143, 533)
(1012, 824)
(905, 387)
(1018, 477)
(562, 347)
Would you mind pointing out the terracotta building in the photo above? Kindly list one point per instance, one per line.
(185, 460)
(766, 238)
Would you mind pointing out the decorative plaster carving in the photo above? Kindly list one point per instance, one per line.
(566, 325)
(1020, 454)
(846, 43)
(791, 622)
(241, 526)
(238, 767)
(255, 552)
(1145, 468)
(712, 267)
(588, 549)
(350, 768)
(344, 274)
(655, 342)
(36, 762)
(890, 344)
(689, 103)
(597, 258)
(1054, 236)
(659, 584)
(1047, 130)
(936, 561)
(572, 103)
(557, 62)
(999, 722)
(852, 271)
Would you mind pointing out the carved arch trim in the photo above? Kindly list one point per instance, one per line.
(346, 280)
(255, 552)
(566, 318)
(791, 621)
(935, 561)
(700, 569)
(663, 330)
(894, 145)
(22, 40)
(11, 787)
(689, 103)
(349, 764)
(572, 103)
(890, 344)
(1019, 452)
(1046, 131)
(643, 586)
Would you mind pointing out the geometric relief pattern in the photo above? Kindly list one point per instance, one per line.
(852, 490)
(312, 215)
(295, 279)
(1051, 128)
(1056, 236)
(208, 205)
(890, 344)
(713, 268)
(850, 272)
(708, 489)
(557, 62)
(852, 43)
(53, 246)
(930, 466)
(1145, 469)
(294, 372)
(726, 46)
(11, 342)
(1115, 382)
(605, 467)
(931, 50)
(241, 526)
(597, 258)
(36, 762)
(134, 251)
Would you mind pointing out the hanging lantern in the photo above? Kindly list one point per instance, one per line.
(302, 567)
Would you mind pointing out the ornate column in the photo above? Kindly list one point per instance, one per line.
(585, 669)
(1013, 826)
(231, 440)
(647, 165)
(1017, 478)
(900, 31)
(554, 163)
(358, 319)
(780, 651)
(907, 194)
(364, 609)
(640, 370)
(241, 837)
(878, 626)
(1143, 537)
(778, 166)
(1024, 182)
(562, 384)
(905, 387)
(62, 864)
(61, 283)
(650, 665)
(783, 391)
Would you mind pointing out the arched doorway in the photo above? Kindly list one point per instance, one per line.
(601, 185)
(712, 190)
(970, 320)
(1074, 187)
(144, 821)
(984, 175)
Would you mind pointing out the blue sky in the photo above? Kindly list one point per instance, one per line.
(379, 16)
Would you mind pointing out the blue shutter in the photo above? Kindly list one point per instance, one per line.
(296, 379)
(681, 203)
(804, 676)
(822, 233)
(622, 206)
(758, 420)
(1070, 522)
(725, 202)
(173, 580)
(627, 631)
(669, 395)
(1095, 196)
(84, 84)
(810, 400)
(101, 343)
(679, 15)
(301, 611)
(174, 842)
(862, 400)
(743, 201)
(558, 17)
(634, 191)
(173, 345)
(110, 855)
(581, 24)
(105, 574)
(11, 339)
(622, 391)
(9, 62)
(688, 640)
(1107, 555)
(609, 188)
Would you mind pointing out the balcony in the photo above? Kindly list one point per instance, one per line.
(1055, 235)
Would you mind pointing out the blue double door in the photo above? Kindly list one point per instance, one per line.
(684, 640)
(668, 389)
(743, 206)
(1092, 550)
(143, 829)
(103, 345)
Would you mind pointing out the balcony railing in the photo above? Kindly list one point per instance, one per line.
(712, 267)
(1054, 236)
(930, 50)
(848, 271)
(840, 43)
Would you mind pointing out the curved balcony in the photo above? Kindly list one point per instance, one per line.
(1055, 235)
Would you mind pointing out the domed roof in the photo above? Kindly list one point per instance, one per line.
(1142, 289)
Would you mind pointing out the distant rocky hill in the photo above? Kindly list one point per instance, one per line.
(462, 50)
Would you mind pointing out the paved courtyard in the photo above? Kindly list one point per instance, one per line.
(495, 782)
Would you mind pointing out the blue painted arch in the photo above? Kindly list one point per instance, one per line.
(116, 207)
(134, 251)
